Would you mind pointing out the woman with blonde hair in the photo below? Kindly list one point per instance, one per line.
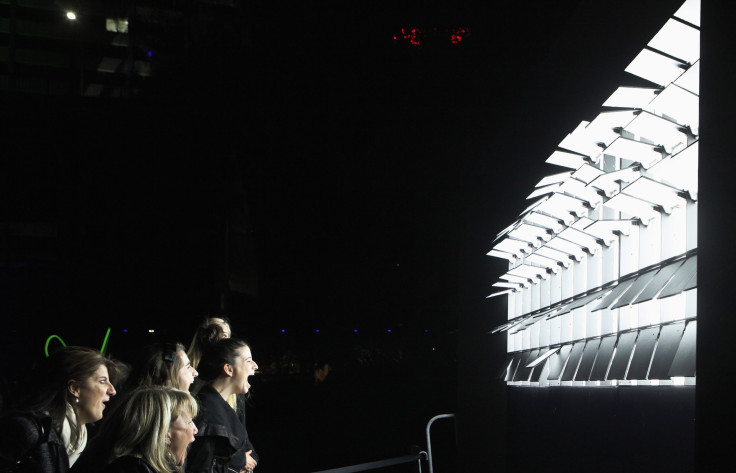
(147, 432)
(47, 432)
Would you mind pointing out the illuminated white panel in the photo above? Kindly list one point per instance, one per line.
(582, 301)
(685, 278)
(545, 221)
(582, 223)
(516, 279)
(636, 151)
(565, 159)
(558, 361)
(603, 360)
(567, 247)
(562, 205)
(634, 207)
(529, 271)
(586, 363)
(587, 173)
(530, 233)
(658, 283)
(679, 171)
(581, 239)
(622, 355)
(679, 105)
(690, 12)
(601, 129)
(631, 97)
(500, 293)
(643, 353)
(669, 341)
(544, 262)
(555, 255)
(658, 130)
(500, 254)
(655, 193)
(684, 362)
(690, 80)
(679, 40)
(508, 285)
(655, 68)
(543, 357)
(579, 142)
(607, 230)
(515, 247)
(539, 191)
(554, 179)
(573, 361)
(610, 182)
(578, 189)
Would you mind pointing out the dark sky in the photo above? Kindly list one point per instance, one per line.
(375, 174)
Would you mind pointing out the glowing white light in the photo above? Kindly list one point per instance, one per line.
(690, 80)
(631, 97)
(678, 380)
(678, 104)
(609, 182)
(554, 179)
(655, 193)
(678, 40)
(587, 173)
(655, 67)
(636, 151)
(633, 206)
(565, 159)
(680, 171)
(658, 130)
(544, 221)
(71, 15)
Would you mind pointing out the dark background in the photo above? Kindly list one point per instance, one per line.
(366, 178)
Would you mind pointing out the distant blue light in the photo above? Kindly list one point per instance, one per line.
(426, 331)
(389, 330)
(355, 330)
(282, 330)
(317, 330)
(125, 330)
(150, 53)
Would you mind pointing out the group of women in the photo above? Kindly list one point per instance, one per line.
(177, 412)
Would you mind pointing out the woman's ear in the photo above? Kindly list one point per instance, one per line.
(228, 369)
(168, 438)
(73, 388)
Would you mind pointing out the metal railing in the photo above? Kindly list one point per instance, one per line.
(380, 464)
(418, 457)
(429, 438)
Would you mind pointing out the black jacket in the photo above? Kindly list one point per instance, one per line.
(221, 441)
(129, 464)
(31, 445)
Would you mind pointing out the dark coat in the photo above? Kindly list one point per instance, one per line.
(221, 440)
(241, 415)
(129, 464)
(31, 445)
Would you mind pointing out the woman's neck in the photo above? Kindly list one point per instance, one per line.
(223, 386)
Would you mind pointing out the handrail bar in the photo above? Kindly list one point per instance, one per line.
(377, 464)
(429, 440)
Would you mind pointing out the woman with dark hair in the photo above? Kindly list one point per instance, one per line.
(47, 431)
(222, 441)
(149, 432)
(163, 364)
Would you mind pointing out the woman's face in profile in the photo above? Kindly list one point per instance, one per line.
(187, 373)
(181, 434)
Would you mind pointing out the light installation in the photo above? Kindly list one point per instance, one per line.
(602, 276)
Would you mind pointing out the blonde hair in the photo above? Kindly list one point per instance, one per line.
(144, 421)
